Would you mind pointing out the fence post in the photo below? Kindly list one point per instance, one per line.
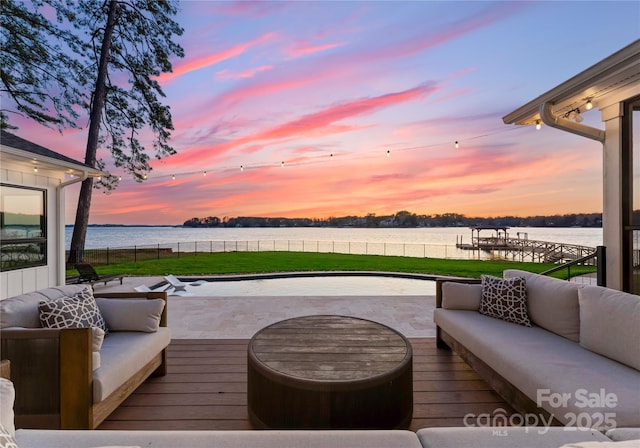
(178, 249)
(135, 254)
(107, 256)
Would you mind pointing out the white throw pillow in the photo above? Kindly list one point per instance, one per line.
(7, 398)
(610, 324)
(98, 338)
(461, 296)
(132, 314)
(7, 440)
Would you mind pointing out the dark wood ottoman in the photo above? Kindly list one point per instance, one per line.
(329, 372)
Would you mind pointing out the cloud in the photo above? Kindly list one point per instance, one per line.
(322, 122)
(188, 66)
(248, 73)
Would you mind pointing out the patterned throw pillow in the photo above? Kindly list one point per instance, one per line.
(6, 439)
(79, 311)
(505, 299)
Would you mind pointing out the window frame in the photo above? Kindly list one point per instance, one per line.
(41, 241)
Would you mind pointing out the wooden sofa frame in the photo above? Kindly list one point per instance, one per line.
(509, 393)
(53, 375)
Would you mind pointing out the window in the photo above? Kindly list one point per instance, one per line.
(23, 227)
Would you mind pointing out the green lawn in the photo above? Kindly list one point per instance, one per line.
(264, 262)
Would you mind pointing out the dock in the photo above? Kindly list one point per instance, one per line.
(500, 245)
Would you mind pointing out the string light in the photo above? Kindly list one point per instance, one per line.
(589, 105)
(331, 155)
(35, 169)
(538, 125)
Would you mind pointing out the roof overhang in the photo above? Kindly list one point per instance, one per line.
(30, 161)
(610, 81)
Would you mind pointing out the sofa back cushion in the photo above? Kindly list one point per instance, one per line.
(610, 324)
(552, 303)
(461, 296)
(132, 314)
(22, 310)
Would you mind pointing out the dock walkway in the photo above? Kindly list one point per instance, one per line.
(501, 245)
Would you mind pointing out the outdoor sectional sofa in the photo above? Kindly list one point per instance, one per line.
(578, 362)
(73, 378)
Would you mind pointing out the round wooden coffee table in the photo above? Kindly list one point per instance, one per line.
(329, 372)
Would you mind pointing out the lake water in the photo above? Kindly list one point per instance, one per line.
(282, 238)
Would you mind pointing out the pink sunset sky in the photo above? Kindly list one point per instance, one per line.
(331, 108)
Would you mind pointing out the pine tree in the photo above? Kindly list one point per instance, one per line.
(103, 56)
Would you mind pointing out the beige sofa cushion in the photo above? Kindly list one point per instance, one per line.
(461, 296)
(123, 354)
(131, 314)
(32, 438)
(552, 303)
(504, 437)
(610, 324)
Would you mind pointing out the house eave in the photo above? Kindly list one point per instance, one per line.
(599, 83)
(46, 163)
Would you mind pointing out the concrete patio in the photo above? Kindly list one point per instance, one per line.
(240, 317)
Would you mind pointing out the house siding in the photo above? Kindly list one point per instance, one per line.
(31, 279)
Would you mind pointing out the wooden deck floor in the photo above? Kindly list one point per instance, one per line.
(205, 388)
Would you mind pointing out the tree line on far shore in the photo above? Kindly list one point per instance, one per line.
(405, 219)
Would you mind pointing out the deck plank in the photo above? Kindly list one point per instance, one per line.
(205, 388)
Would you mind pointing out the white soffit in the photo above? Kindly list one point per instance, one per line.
(614, 79)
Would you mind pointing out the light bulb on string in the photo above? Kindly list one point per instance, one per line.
(204, 173)
(282, 164)
(388, 153)
(457, 145)
(35, 169)
(331, 156)
(538, 125)
(173, 177)
(589, 105)
(241, 167)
